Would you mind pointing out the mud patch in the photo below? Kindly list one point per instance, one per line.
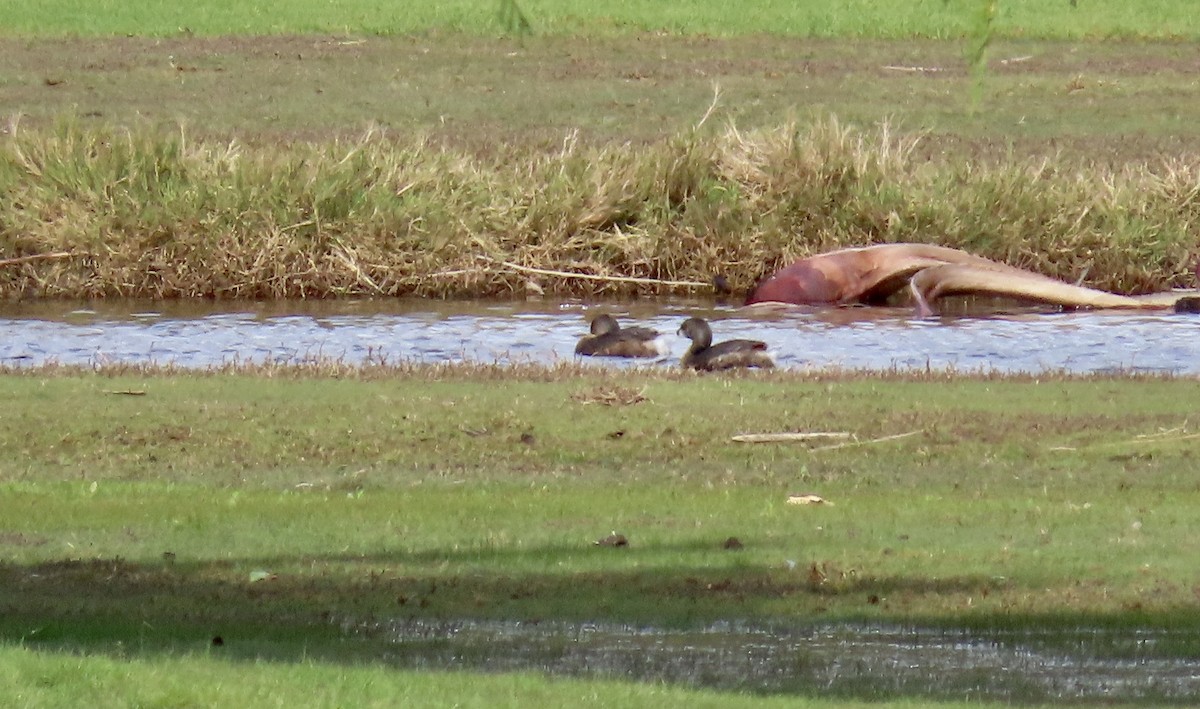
(18, 539)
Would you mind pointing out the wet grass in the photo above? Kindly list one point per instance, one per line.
(279, 508)
(41, 679)
(297, 504)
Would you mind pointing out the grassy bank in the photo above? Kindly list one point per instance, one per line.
(144, 215)
(856, 18)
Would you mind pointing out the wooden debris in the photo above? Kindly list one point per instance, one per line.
(884, 439)
(915, 69)
(35, 257)
(807, 498)
(789, 437)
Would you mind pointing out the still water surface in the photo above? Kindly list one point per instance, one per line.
(866, 661)
(205, 334)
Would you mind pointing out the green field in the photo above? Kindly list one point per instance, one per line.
(1057, 19)
(442, 475)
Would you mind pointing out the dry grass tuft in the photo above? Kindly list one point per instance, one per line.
(610, 395)
(142, 215)
(608, 383)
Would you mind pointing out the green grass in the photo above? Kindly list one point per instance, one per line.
(1058, 19)
(1018, 504)
(293, 504)
(1103, 101)
(34, 680)
(392, 485)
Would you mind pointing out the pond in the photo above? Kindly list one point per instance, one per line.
(200, 334)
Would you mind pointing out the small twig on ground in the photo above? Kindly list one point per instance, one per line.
(594, 277)
(807, 498)
(458, 272)
(712, 106)
(1169, 435)
(611, 396)
(914, 68)
(885, 439)
(35, 257)
(789, 437)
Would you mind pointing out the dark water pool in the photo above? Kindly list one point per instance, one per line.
(864, 661)
(203, 334)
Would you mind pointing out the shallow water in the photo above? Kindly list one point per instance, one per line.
(870, 661)
(199, 334)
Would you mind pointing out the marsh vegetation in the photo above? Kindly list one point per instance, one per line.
(221, 153)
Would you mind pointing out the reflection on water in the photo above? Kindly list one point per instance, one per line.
(870, 661)
(199, 334)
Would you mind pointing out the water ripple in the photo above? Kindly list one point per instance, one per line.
(205, 334)
(868, 661)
